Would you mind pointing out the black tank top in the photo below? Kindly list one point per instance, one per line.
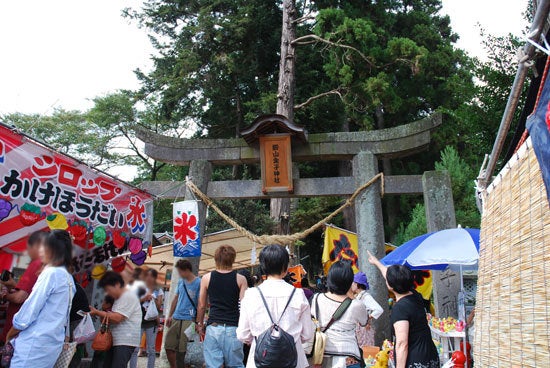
(223, 293)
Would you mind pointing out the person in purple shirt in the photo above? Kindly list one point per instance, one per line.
(307, 290)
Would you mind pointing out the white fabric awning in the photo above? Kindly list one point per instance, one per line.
(163, 256)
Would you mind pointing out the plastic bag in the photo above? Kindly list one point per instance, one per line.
(85, 331)
(152, 311)
(191, 333)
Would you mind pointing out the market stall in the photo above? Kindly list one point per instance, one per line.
(42, 189)
(426, 252)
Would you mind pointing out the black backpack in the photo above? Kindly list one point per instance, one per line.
(275, 348)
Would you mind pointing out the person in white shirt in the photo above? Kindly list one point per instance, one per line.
(154, 294)
(365, 335)
(137, 283)
(254, 319)
(342, 350)
(124, 319)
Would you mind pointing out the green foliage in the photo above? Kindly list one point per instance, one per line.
(478, 119)
(462, 179)
(254, 215)
(68, 132)
(311, 210)
(388, 62)
(415, 227)
(217, 60)
(402, 65)
(116, 115)
(104, 136)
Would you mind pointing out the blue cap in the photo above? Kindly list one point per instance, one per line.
(361, 279)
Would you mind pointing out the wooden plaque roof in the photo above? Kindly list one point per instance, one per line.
(270, 124)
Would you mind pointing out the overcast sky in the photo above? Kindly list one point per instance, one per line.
(62, 53)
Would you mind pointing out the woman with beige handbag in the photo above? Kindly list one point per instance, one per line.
(337, 317)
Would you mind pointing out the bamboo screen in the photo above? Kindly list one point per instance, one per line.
(512, 322)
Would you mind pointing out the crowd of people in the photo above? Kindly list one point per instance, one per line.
(233, 314)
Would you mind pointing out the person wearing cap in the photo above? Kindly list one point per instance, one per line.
(365, 334)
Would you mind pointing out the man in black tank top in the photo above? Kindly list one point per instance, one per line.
(224, 289)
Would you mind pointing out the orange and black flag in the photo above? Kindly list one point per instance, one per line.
(340, 244)
(296, 274)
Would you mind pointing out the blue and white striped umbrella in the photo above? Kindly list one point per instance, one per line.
(438, 250)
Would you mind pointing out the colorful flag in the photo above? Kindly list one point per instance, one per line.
(296, 274)
(340, 244)
(423, 283)
(423, 280)
(187, 238)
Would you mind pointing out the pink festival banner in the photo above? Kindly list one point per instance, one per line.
(41, 189)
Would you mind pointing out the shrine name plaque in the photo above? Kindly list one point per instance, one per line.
(276, 160)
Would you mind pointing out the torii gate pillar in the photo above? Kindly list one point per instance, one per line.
(370, 232)
(440, 215)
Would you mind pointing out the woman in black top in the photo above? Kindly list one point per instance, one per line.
(414, 347)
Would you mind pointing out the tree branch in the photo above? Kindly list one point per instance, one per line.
(321, 95)
(135, 149)
(307, 39)
(303, 19)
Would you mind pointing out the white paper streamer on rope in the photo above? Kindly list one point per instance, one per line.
(253, 255)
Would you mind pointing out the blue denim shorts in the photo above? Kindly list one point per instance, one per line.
(221, 347)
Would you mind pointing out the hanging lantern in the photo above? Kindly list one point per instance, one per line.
(138, 258)
(100, 235)
(135, 245)
(98, 271)
(118, 264)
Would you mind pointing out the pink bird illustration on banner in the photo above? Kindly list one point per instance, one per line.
(187, 240)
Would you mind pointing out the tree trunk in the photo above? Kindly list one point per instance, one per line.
(280, 207)
(287, 70)
(240, 122)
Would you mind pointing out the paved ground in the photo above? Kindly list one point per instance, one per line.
(193, 359)
(142, 363)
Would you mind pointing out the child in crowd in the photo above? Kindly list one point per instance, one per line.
(99, 356)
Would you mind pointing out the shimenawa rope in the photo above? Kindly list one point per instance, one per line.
(283, 239)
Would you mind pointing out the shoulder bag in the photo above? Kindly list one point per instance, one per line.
(103, 341)
(316, 350)
(69, 348)
(189, 297)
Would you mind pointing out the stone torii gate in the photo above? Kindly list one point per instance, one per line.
(364, 149)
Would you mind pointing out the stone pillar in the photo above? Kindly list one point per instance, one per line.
(200, 172)
(440, 215)
(370, 232)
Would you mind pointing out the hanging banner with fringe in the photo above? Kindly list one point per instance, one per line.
(187, 239)
(340, 244)
(42, 189)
